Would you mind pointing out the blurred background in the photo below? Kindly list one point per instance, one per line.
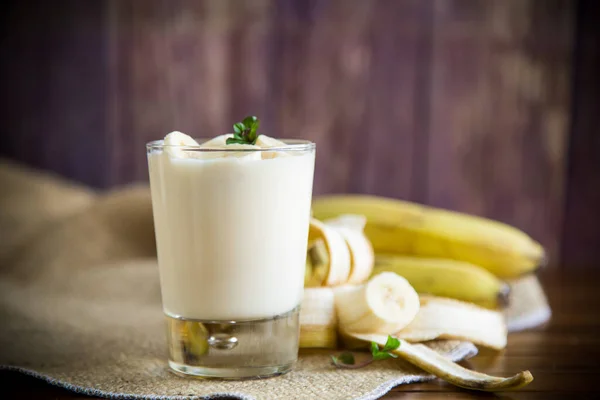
(487, 107)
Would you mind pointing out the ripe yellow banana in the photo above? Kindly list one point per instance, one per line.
(447, 278)
(400, 227)
(318, 321)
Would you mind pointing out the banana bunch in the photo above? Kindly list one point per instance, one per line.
(413, 272)
(409, 229)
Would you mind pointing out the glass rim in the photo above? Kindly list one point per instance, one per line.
(290, 145)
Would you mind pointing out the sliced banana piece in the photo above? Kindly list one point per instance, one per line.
(331, 270)
(385, 304)
(317, 263)
(362, 258)
(318, 321)
(175, 140)
(265, 141)
(244, 155)
(438, 365)
(442, 318)
(189, 340)
(218, 141)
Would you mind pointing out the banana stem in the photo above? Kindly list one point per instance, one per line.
(438, 365)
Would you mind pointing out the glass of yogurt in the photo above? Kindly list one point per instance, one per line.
(231, 224)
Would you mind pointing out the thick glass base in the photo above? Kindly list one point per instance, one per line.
(233, 349)
(229, 373)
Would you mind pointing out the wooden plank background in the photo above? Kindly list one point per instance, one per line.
(581, 234)
(462, 104)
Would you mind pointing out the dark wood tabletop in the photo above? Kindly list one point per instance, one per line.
(563, 356)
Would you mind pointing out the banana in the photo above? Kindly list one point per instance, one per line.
(217, 141)
(385, 304)
(241, 153)
(401, 227)
(317, 262)
(351, 227)
(447, 278)
(188, 339)
(438, 365)
(265, 141)
(318, 322)
(175, 140)
(328, 257)
(441, 318)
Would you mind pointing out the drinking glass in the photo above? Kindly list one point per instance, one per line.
(231, 231)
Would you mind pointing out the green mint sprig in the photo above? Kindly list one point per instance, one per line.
(245, 132)
(347, 360)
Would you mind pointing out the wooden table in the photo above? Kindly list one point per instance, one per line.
(564, 356)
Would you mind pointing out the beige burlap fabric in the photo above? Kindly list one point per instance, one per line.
(80, 303)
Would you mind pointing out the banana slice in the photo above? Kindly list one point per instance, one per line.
(385, 304)
(328, 257)
(362, 258)
(245, 155)
(441, 318)
(218, 141)
(438, 365)
(265, 141)
(317, 263)
(318, 321)
(189, 340)
(173, 142)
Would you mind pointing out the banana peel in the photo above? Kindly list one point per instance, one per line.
(442, 318)
(430, 361)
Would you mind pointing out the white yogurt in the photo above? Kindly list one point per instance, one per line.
(231, 233)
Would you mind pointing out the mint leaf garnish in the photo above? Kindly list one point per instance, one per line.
(391, 344)
(346, 359)
(245, 132)
(385, 353)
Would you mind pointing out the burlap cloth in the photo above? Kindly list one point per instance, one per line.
(80, 303)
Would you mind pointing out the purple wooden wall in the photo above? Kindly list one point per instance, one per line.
(463, 104)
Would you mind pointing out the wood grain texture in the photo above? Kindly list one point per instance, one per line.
(500, 109)
(53, 93)
(564, 356)
(462, 104)
(581, 229)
